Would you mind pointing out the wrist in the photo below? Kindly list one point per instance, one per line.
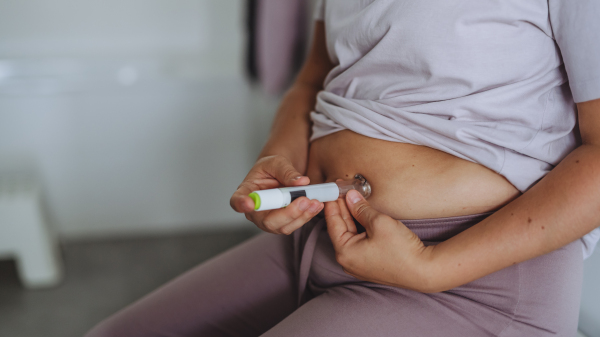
(430, 272)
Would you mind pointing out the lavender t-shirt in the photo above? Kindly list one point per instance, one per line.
(494, 82)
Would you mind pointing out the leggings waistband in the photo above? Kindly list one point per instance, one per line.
(431, 230)
(440, 229)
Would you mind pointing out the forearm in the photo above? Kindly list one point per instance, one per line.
(291, 127)
(562, 207)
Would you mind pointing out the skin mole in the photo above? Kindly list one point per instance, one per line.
(529, 220)
(577, 161)
(543, 227)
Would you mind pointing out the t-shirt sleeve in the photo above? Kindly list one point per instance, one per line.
(576, 29)
(319, 13)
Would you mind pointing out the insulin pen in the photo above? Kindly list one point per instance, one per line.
(281, 197)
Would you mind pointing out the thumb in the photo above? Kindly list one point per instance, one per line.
(361, 210)
(286, 173)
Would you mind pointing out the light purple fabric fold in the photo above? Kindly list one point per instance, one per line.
(279, 31)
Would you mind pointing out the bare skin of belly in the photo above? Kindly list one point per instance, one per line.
(409, 181)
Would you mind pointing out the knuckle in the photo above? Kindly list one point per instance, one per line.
(270, 226)
(284, 164)
(265, 229)
(361, 210)
(279, 159)
(262, 165)
(289, 173)
(287, 230)
(276, 161)
(295, 212)
(267, 224)
(275, 167)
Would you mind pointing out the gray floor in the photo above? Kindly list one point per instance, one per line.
(102, 277)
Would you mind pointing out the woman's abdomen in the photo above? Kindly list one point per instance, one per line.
(409, 181)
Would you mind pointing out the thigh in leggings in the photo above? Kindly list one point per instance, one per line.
(253, 289)
(242, 292)
(539, 297)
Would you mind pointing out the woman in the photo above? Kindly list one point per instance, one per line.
(460, 116)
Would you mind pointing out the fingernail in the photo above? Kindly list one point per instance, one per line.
(314, 207)
(298, 177)
(303, 205)
(354, 196)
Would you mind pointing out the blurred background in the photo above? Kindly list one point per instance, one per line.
(125, 126)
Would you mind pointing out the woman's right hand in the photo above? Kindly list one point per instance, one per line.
(274, 172)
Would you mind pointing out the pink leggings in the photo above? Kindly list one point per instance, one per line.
(275, 285)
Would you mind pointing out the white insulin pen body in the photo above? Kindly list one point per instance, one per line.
(281, 197)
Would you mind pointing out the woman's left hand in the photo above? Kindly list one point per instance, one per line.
(387, 253)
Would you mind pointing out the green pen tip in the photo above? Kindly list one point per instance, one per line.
(256, 198)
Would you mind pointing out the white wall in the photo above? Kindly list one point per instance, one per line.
(83, 28)
(134, 114)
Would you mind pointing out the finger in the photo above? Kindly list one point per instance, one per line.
(303, 218)
(362, 211)
(283, 170)
(336, 226)
(345, 213)
(263, 184)
(279, 218)
(257, 219)
(241, 202)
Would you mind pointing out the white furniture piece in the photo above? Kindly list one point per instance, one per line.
(589, 314)
(24, 235)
